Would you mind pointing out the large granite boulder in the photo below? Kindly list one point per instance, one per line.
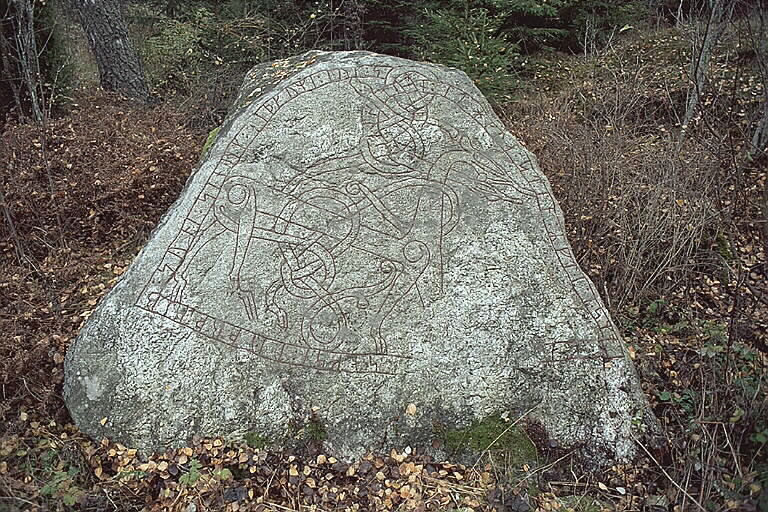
(364, 248)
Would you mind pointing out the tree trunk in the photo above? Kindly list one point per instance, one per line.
(759, 43)
(720, 12)
(759, 142)
(120, 69)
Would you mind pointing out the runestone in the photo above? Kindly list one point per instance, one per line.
(363, 235)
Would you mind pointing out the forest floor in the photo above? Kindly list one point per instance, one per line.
(671, 232)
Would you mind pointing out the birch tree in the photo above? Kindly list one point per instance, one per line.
(19, 53)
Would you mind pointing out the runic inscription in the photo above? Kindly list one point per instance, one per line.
(391, 201)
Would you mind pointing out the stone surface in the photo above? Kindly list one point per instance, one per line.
(364, 249)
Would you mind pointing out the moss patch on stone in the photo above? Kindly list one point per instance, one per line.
(256, 440)
(315, 430)
(492, 434)
(209, 141)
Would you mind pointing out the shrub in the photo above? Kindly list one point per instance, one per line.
(486, 38)
(469, 40)
(642, 213)
(592, 23)
(196, 54)
(66, 206)
(641, 218)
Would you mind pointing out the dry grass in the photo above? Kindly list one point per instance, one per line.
(671, 233)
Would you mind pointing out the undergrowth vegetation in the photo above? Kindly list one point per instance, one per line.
(196, 53)
(671, 224)
(671, 233)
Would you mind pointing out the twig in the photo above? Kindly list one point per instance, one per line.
(106, 493)
(18, 247)
(30, 391)
(18, 499)
(269, 484)
(280, 507)
(733, 452)
(664, 471)
(756, 293)
(547, 466)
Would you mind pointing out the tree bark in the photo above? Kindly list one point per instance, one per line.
(759, 42)
(759, 142)
(120, 69)
(720, 12)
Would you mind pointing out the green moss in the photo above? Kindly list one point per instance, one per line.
(315, 430)
(724, 246)
(492, 434)
(256, 440)
(209, 141)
